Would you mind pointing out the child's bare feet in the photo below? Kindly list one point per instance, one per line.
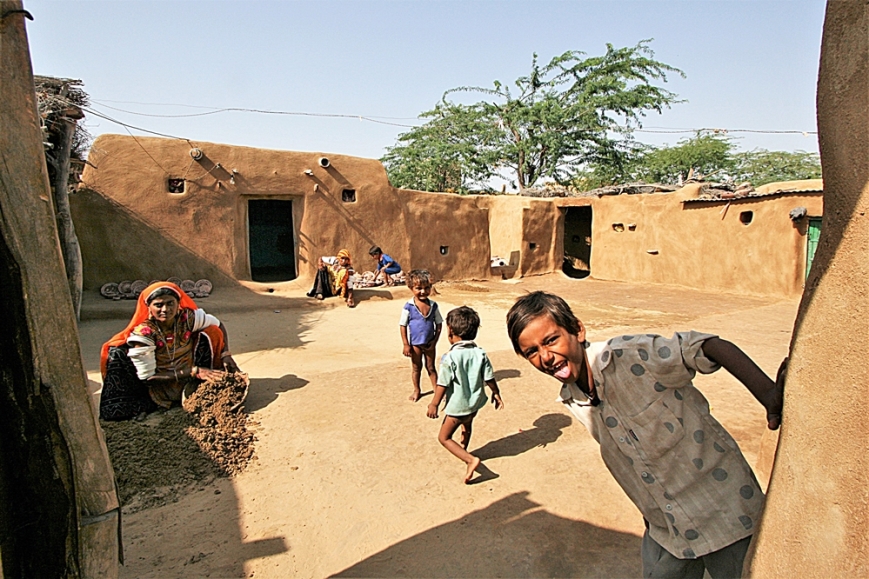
(417, 394)
(472, 466)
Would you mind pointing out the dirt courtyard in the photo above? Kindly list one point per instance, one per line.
(349, 479)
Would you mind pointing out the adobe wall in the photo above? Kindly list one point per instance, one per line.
(657, 238)
(815, 524)
(130, 223)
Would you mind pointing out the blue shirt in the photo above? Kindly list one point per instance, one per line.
(420, 329)
(384, 261)
(463, 372)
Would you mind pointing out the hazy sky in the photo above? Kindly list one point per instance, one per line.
(748, 64)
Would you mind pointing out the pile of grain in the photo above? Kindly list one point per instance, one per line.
(174, 452)
(220, 427)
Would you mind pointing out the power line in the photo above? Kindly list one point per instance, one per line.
(265, 112)
(379, 119)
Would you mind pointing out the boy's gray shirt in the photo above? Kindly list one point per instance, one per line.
(680, 467)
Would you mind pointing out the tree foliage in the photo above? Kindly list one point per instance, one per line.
(761, 166)
(559, 116)
(706, 155)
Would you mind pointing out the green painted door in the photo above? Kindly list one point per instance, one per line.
(814, 235)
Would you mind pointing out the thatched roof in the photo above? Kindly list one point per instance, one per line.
(61, 100)
(554, 190)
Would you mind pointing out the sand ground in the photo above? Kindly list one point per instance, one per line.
(350, 480)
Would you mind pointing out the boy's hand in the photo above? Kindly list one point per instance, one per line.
(496, 400)
(432, 411)
(773, 414)
(406, 350)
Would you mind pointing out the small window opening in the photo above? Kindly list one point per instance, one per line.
(175, 185)
(618, 227)
(532, 245)
(745, 217)
(632, 226)
(348, 195)
(445, 249)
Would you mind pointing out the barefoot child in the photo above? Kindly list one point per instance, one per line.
(420, 327)
(698, 496)
(387, 268)
(463, 372)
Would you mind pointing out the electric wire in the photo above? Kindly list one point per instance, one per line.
(377, 119)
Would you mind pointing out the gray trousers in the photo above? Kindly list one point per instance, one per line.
(725, 563)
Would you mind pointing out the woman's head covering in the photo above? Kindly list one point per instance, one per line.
(344, 253)
(142, 314)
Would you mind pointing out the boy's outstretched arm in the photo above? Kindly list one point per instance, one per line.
(432, 410)
(743, 368)
(496, 394)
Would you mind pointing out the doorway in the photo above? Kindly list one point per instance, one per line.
(814, 234)
(271, 240)
(577, 242)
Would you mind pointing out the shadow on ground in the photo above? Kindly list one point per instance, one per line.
(264, 391)
(512, 537)
(546, 430)
(507, 373)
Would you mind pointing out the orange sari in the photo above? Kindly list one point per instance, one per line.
(124, 394)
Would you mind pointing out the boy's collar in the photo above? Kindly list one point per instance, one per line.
(464, 344)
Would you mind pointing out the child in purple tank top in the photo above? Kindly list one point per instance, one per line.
(420, 327)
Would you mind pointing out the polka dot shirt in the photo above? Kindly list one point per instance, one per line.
(680, 467)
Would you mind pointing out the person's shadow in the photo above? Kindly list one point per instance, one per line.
(547, 429)
(264, 391)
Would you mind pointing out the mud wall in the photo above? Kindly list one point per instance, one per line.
(706, 245)
(815, 524)
(132, 227)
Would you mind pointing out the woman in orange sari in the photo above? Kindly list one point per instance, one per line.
(170, 343)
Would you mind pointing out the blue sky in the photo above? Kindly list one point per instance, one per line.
(748, 64)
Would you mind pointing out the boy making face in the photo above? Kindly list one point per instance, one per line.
(680, 467)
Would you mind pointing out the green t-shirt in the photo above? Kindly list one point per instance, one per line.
(463, 372)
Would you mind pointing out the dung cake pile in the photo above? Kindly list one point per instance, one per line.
(220, 423)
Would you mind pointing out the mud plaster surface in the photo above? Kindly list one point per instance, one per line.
(349, 479)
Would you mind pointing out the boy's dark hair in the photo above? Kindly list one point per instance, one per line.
(375, 249)
(463, 322)
(531, 306)
(419, 275)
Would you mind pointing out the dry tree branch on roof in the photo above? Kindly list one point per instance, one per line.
(60, 102)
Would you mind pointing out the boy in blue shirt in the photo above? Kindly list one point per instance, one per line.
(386, 266)
(464, 370)
(420, 327)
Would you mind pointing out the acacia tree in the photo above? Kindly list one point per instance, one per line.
(761, 166)
(707, 154)
(561, 114)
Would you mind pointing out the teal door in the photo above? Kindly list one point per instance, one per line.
(814, 235)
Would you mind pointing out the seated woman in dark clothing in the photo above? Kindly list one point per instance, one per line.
(334, 278)
(169, 344)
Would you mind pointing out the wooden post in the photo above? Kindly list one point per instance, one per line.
(59, 511)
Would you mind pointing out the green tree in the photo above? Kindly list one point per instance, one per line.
(563, 113)
(447, 153)
(761, 166)
(708, 154)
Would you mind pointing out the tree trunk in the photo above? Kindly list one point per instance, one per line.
(69, 245)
